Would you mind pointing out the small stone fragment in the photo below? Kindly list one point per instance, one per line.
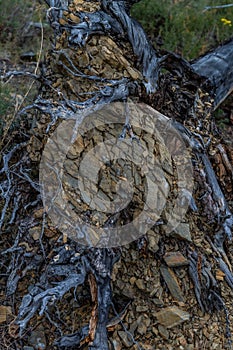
(38, 214)
(140, 284)
(74, 18)
(141, 308)
(142, 328)
(174, 259)
(127, 342)
(153, 240)
(163, 332)
(116, 344)
(37, 339)
(220, 275)
(172, 283)
(132, 280)
(172, 316)
(4, 311)
(133, 73)
(182, 231)
(35, 232)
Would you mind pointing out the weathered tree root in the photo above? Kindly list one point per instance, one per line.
(112, 18)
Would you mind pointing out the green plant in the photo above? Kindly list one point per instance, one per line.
(5, 100)
(18, 34)
(183, 25)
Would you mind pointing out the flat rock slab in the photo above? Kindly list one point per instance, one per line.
(5, 311)
(172, 283)
(175, 259)
(182, 231)
(172, 316)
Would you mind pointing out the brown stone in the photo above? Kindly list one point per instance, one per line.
(35, 232)
(116, 344)
(127, 342)
(163, 332)
(174, 259)
(172, 283)
(140, 284)
(133, 73)
(182, 231)
(4, 312)
(153, 240)
(74, 18)
(172, 316)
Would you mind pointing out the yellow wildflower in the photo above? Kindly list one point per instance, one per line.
(226, 21)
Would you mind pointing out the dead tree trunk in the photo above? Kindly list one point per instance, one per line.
(102, 55)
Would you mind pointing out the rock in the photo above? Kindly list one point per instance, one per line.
(116, 345)
(28, 348)
(163, 332)
(182, 231)
(76, 149)
(74, 18)
(158, 302)
(37, 339)
(133, 327)
(172, 316)
(132, 280)
(142, 328)
(220, 275)
(155, 330)
(35, 232)
(133, 73)
(4, 312)
(174, 259)
(153, 240)
(140, 284)
(172, 283)
(38, 214)
(141, 308)
(126, 340)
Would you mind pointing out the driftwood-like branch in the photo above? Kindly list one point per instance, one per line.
(38, 299)
(146, 54)
(217, 67)
(113, 19)
(218, 6)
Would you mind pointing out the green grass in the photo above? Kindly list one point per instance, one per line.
(15, 18)
(183, 26)
(5, 99)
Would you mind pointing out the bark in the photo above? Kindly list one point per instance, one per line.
(217, 68)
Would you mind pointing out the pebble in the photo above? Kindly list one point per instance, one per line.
(174, 259)
(163, 332)
(35, 232)
(182, 231)
(37, 339)
(141, 308)
(153, 240)
(116, 344)
(172, 316)
(4, 312)
(126, 339)
(172, 283)
(142, 328)
(140, 284)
